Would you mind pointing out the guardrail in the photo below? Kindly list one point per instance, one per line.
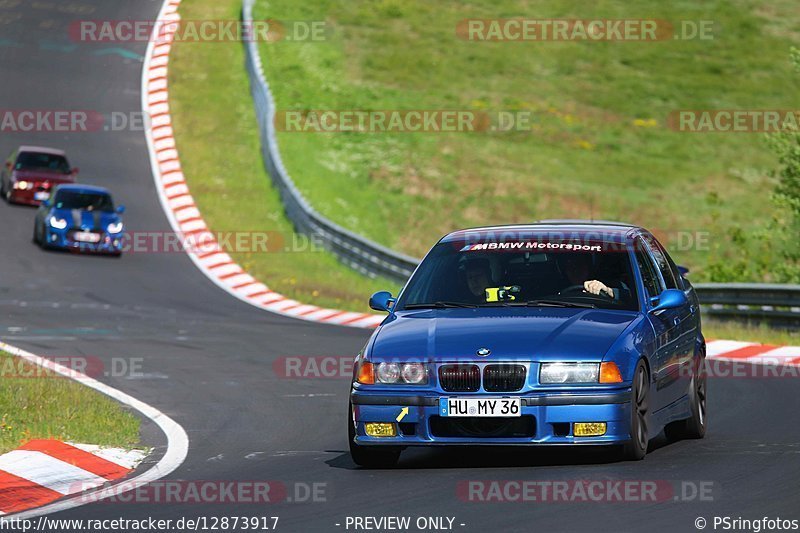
(355, 251)
(778, 305)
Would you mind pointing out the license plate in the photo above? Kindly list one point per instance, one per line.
(87, 237)
(41, 196)
(496, 407)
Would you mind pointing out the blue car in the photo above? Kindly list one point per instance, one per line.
(554, 333)
(80, 218)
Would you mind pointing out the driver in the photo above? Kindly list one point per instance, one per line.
(577, 267)
(478, 274)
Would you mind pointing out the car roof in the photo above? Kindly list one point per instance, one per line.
(604, 228)
(77, 187)
(41, 150)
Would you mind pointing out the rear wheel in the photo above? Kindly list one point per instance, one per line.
(693, 427)
(636, 448)
(369, 456)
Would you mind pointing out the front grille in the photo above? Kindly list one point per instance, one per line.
(503, 378)
(480, 427)
(460, 378)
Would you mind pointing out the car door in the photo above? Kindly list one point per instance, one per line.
(687, 316)
(664, 327)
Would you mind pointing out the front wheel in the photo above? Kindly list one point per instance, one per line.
(693, 427)
(369, 456)
(636, 448)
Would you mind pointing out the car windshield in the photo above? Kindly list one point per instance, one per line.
(82, 200)
(40, 161)
(533, 272)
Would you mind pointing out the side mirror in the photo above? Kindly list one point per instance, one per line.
(9, 165)
(381, 301)
(46, 203)
(670, 299)
(75, 171)
(120, 209)
(683, 270)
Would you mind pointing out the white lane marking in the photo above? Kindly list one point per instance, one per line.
(47, 471)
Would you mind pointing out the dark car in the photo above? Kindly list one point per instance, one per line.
(80, 218)
(31, 172)
(555, 333)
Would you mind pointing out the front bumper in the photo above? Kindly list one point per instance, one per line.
(24, 197)
(60, 239)
(552, 416)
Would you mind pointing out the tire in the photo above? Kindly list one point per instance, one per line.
(636, 448)
(370, 456)
(693, 427)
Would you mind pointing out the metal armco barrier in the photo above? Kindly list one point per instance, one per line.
(777, 305)
(355, 251)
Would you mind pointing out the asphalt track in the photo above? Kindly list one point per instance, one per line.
(207, 357)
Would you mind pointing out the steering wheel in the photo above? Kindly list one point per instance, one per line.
(571, 289)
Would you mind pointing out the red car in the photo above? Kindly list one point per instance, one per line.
(31, 172)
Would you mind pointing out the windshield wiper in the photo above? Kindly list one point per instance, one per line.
(439, 305)
(545, 303)
(558, 303)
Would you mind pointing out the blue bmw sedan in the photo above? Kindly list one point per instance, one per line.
(554, 333)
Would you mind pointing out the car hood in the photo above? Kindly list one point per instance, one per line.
(44, 174)
(86, 220)
(531, 334)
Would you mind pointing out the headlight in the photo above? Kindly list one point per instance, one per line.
(58, 223)
(114, 227)
(21, 185)
(401, 373)
(569, 373)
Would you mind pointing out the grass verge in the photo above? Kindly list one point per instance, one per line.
(38, 404)
(217, 136)
(732, 331)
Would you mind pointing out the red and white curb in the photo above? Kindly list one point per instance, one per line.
(56, 467)
(751, 352)
(180, 207)
(43, 471)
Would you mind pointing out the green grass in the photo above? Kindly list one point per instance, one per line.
(715, 329)
(217, 136)
(38, 404)
(600, 146)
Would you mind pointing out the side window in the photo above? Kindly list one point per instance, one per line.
(663, 263)
(649, 276)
